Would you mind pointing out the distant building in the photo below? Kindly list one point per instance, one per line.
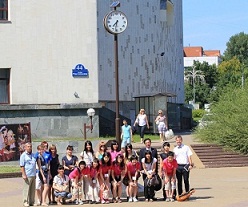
(192, 54)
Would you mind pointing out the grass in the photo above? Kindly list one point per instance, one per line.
(136, 137)
(9, 169)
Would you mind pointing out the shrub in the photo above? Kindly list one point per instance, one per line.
(198, 114)
(228, 126)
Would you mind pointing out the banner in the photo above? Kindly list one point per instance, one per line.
(12, 140)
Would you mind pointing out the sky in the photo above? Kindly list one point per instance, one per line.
(211, 23)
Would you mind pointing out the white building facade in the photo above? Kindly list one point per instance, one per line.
(42, 41)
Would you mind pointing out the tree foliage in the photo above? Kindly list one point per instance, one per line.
(228, 126)
(229, 101)
(204, 88)
(237, 46)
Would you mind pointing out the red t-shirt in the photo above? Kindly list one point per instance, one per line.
(104, 169)
(93, 172)
(133, 168)
(85, 171)
(117, 170)
(75, 173)
(169, 167)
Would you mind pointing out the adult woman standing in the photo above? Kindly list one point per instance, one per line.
(142, 122)
(69, 161)
(161, 121)
(88, 153)
(54, 164)
(44, 174)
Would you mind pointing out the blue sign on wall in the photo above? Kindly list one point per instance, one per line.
(80, 71)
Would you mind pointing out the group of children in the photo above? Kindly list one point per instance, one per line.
(96, 175)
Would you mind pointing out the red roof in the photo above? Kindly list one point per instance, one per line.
(199, 52)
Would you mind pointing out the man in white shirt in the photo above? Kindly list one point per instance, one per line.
(183, 157)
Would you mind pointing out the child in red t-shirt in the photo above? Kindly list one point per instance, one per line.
(133, 172)
(93, 182)
(76, 177)
(104, 174)
(169, 170)
(118, 173)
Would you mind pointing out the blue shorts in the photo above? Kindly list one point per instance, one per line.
(62, 194)
(125, 141)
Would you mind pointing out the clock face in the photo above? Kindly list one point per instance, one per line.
(115, 22)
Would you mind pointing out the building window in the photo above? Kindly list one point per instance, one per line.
(4, 86)
(163, 4)
(3, 10)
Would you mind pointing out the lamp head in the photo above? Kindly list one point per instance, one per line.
(91, 112)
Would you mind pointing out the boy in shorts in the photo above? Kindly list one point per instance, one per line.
(169, 170)
(126, 134)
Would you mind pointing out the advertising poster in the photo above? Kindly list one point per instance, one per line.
(12, 140)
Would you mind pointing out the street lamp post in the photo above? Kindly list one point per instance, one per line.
(90, 113)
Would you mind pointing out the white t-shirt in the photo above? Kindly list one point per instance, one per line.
(61, 180)
(182, 154)
(148, 166)
(87, 157)
(141, 119)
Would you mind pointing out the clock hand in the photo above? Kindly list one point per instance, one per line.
(115, 24)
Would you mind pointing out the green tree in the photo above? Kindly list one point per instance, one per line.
(204, 88)
(237, 46)
(229, 72)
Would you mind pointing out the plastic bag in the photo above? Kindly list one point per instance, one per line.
(169, 134)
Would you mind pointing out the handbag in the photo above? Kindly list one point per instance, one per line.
(125, 181)
(158, 182)
(155, 181)
(64, 188)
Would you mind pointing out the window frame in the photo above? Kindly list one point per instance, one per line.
(6, 8)
(7, 79)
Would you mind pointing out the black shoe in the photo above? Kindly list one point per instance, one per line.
(155, 199)
(127, 198)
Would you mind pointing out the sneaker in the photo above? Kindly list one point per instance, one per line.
(81, 203)
(130, 199)
(76, 202)
(103, 201)
(172, 200)
(167, 200)
(135, 199)
(107, 201)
